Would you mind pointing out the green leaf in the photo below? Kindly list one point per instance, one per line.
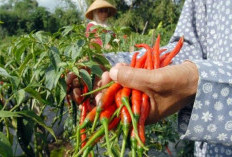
(52, 77)
(75, 70)
(87, 79)
(41, 36)
(36, 95)
(80, 42)
(107, 38)
(38, 120)
(5, 146)
(7, 114)
(20, 95)
(76, 52)
(67, 30)
(58, 152)
(63, 89)
(1, 22)
(15, 81)
(95, 68)
(19, 51)
(97, 47)
(101, 60)
(54, 57)
(25, 63)
(4, 73)
(42, 55)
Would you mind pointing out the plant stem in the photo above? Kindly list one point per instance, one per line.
(105, 125)
(125, 128)
(98, 89)
(125, 102)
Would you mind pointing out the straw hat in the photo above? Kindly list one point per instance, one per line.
(100, 4)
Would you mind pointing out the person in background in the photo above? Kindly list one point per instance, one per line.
(98, 12)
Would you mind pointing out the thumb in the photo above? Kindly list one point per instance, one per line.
(134, 78)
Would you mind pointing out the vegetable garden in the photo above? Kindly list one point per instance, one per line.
(33, 97)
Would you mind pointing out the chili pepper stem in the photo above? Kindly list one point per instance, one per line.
(96, 119)
(91, 140)
(98, 89)
(92, 153)
(119, 110)
(140, 151)
(105, 125)
(125, 101)
(86, 152)
(77, 139)
(133, 150)
(116, 134)
(125, 129)
(115, 150)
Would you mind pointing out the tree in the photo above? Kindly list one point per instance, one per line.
(152, 11)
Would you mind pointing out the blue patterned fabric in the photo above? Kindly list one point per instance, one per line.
(207, 29)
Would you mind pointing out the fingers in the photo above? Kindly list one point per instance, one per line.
(70, 77)
(76, 95)
(105, 78)
(140, 79)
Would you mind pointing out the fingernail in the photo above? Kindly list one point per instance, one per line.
(114, 73)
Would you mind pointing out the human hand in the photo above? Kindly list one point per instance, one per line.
(170, 88)
(75, 87)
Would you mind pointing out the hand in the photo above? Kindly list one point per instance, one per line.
(169, 88)
(75, 85)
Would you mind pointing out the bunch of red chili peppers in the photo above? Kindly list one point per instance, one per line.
(121, 109)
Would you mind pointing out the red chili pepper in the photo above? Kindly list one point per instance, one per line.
(89, 118)
(125, 119)
(149, 54)
(134, 58)
(174, 52)
(85, 90)
(156, 53)
(83, 115)
(141, 61)
(108, 97)
(136, 100)
(145, 107)
(118, 99)
(161, 51)
(163, 57)
(106, 100)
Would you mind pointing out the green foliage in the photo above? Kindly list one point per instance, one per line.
(152, 12)
(5, 146)
(25, 16)
(32, 78)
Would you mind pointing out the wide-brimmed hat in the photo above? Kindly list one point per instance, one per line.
(97, 4)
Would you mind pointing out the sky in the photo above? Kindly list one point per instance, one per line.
(52, 4)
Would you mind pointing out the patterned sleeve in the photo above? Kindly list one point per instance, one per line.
(209, 117)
